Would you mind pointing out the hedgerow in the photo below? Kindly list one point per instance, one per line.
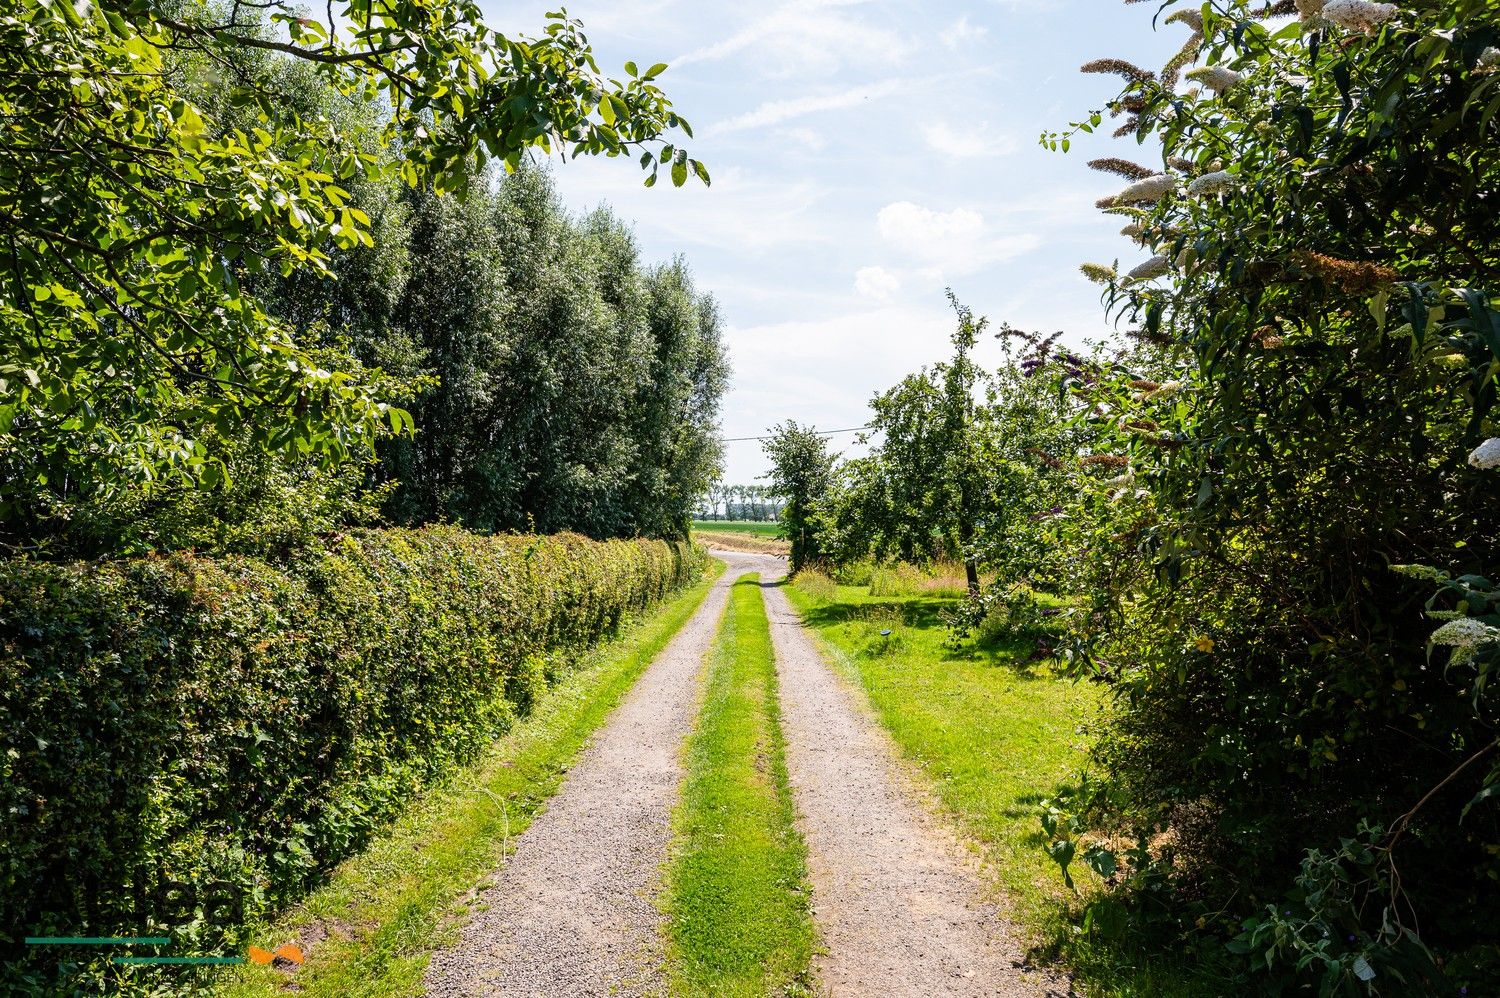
(186, 741)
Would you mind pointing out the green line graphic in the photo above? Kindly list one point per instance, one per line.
(97, 940)
(179, 959)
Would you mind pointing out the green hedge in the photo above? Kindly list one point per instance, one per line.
(236, 726)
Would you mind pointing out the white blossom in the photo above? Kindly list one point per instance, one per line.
(1151, 190)
(1358, 15)
(1212, 183)
(1465, 632)
(1489, 61)
(1152, 268)
(1486, 455)
(1219, 78)
(1165, 389)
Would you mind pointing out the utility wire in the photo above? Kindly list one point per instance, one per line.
(819, 433)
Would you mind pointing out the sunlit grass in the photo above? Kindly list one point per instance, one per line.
(759, 528)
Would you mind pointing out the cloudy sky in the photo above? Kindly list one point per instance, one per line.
(866, 155)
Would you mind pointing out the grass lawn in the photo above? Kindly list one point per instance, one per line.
(737, 896)
(994, 735)
(386, 910)
(756, 528)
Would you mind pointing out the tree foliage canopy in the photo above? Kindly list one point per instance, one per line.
(141, 207)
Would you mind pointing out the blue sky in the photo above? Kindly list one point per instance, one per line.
(866, 155)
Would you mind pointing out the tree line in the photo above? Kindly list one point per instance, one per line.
(747, 503)
(268, 276)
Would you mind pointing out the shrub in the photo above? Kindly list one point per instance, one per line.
(233, 726)
(817, 585)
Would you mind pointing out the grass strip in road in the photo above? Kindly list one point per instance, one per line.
(993, 734)
(737, 897)
(376, 923)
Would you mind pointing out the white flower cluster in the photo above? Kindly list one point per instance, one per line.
(1151, 269)
(1489, 61)
(1150, 190)
(1217, 78)
(1310, 9)
(1164, 390)
(1212, 183)
(1358, 15)
(1465, 632)
(1486, 455)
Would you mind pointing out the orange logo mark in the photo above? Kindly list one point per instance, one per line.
(290, 952)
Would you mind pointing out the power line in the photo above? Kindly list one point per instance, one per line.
(819, 433)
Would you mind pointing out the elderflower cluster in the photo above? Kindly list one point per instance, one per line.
(1358, 15)
(1150, 190)
(1486, 455)
(1465, 632)
(1151, 269)
(1212, 183)
(1216, 78)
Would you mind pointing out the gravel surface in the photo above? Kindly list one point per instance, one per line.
(897, 899)
(573, 910)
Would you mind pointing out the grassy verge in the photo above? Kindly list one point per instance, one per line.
(995, 735)
(737, 898)
(374, 925)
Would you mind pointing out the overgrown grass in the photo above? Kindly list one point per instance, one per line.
(737, 899)
(377, 921)
(758, 528)
(995, 733)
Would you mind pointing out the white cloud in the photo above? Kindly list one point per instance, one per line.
(807, 39)
(741, 214)
(967, 143)
(809, 138)
(776, 111)
(877, 283)
(962, 31)
(952, 242)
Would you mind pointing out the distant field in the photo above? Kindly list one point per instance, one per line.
(771, 529)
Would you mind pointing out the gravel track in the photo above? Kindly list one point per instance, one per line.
(897, 899)
(573, 910)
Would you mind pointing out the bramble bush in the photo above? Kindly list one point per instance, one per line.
(237, 726)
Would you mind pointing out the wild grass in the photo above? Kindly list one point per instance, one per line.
(994, 735)
(371, 929)
(737, 897)
(755, 543)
